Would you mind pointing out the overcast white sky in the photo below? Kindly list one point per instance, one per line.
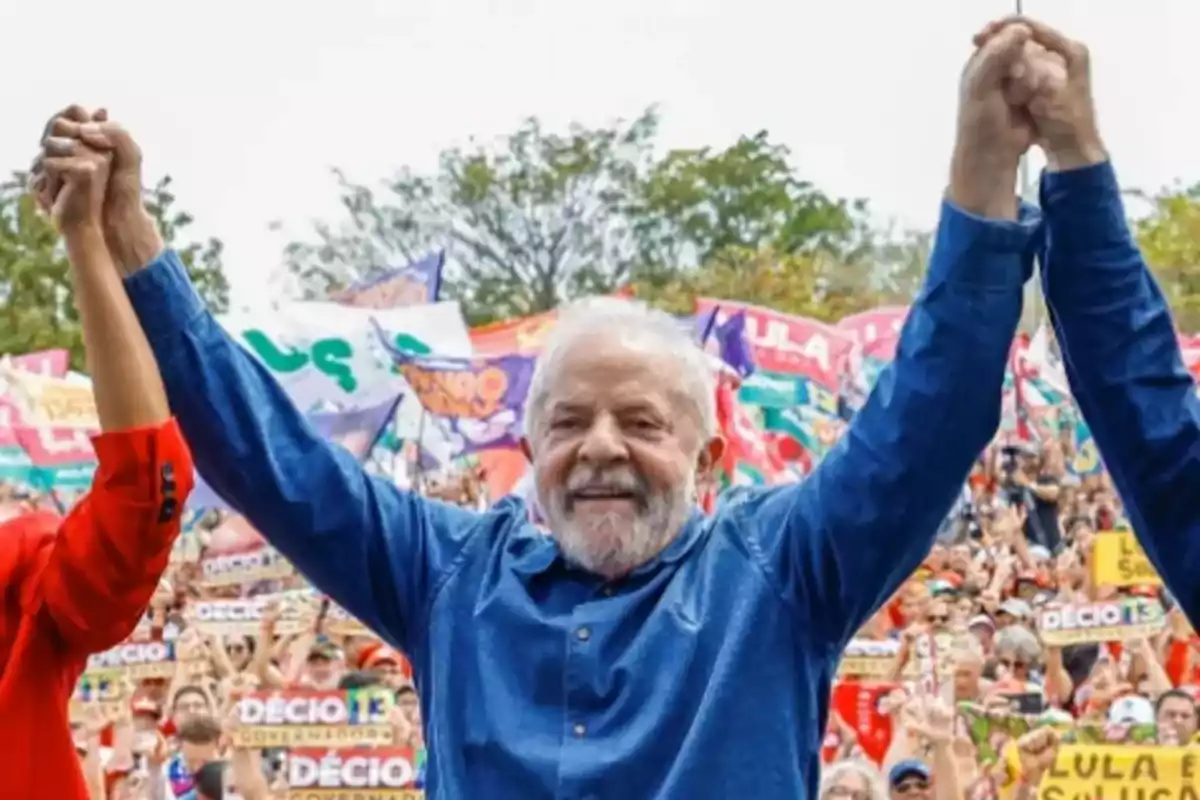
(247, 104)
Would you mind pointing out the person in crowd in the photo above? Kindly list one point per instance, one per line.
(852, 780)
(78, 585)
(639, 648)
(1120, 347)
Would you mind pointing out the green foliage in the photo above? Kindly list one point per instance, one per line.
(535, 219)
(1170, 240)
(694, 204)
(541, 217)
(36, 307)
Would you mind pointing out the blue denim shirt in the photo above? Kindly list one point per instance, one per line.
(1126, 371)
(705, 673)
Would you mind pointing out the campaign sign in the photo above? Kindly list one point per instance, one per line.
(320, 774)
(307, 718)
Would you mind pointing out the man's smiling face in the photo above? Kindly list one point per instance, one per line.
(616, 451)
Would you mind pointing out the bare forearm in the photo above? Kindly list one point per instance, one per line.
(129, 392)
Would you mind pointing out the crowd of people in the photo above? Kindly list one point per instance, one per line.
(605, 637)
(962, 685)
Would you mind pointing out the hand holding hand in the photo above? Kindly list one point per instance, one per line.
(130, 232)
(992, 133)
(1061, 104)
(82, 173)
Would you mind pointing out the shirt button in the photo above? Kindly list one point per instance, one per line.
(607, 591)
(580, 730)
(583, 634)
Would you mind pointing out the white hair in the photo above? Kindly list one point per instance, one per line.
(876, 786)
(633, 323)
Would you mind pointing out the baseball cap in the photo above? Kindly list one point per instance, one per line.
(982, 619)
(909, 768)
(1132, 709)
(1016, 608)
(326, 650)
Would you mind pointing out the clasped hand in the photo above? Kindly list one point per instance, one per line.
(1025, 84)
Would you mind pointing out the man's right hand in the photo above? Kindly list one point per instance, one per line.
(1061, 107)
(129, 231)
(992, 133)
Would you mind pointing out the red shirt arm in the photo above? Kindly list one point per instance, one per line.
(98, 574)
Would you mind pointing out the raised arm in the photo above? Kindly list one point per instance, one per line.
(1119, 343)
(372, 548)
(849, 535)
(96, 574)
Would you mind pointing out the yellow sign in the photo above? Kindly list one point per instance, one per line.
(1092, 772)
(1118, 560)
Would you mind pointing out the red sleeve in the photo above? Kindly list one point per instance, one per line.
(98, 574)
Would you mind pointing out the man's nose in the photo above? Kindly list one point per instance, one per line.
(603, 443)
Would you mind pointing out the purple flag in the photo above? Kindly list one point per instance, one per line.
(357, 431)
(732, 345)
(417, 284)
(480, 401)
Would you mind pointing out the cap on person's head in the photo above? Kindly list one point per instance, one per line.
(144, 704)
(982, 621)
(324, 650)
(1039, 552)
(1132, 709)
(909, 768)
(1015, 607)
(377, 657)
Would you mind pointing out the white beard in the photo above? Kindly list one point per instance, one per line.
(612, 544)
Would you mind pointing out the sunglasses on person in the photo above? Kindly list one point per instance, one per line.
(1012, 663)
(938, 619)
(911, 786)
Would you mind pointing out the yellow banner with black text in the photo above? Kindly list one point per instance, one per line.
(1123, 772)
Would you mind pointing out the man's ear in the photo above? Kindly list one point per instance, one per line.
(710, 456)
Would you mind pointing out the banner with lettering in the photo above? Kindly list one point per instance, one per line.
(233, 569)
(789, 345)
(134, 661)
(328, 356)
(243, 617)
(480, 401)
(1105, 621)
(49, 363)
(417, 284)
(106, 689)
(46, 401)
(384, 772)
(1118, 560)
(876, 332)
(1093, 772)
(868, 658)
(307, 718)
(59, 458)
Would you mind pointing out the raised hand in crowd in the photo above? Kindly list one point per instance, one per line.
(1037, 751)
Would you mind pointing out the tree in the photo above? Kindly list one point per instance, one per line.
(540, 217)
(532, 220)
(36, 306)
(696, 203)
(809, 285)
(1170, 240)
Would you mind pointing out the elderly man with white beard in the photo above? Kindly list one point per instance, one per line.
(637, 648)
